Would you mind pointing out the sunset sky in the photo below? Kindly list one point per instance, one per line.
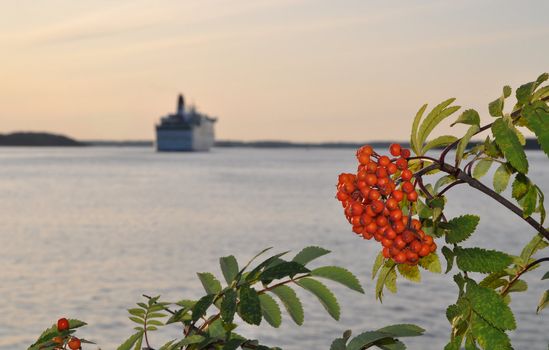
(301, 70)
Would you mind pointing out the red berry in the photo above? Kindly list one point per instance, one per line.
(407, 187)
(384, 161)
(412, 196)
(406, 175)
(392, 168)
(62, 324)
(400, 258)
(395, 149)
(74, 343)
(397, 195)
(405, 153)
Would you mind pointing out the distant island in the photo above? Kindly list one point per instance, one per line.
(37, 139)
(49, 139)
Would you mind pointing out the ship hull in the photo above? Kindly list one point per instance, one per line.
(196, 138)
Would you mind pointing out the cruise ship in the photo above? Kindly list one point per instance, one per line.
(186, 130)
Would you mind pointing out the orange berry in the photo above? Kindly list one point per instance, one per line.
(395, 149)
(412, 257)
(405, 153)
(371, 179)
(366, 149)
(371, 228)
(355, 220)
(396, 215)
(381, 221)
(381, 172)
(399, 226)
(428, 240)
(406, 175)
(425, 250)
(390, 233)
(358, 229)
(407, 187)
(416, 224)
(401, 163)
(400, 258)
(412, 196)
(399, 242)
(387, 243)
(397, 195)
(392, 168)
(62, 324)
(391, 204)
(385, 252)
(415, 246)
(377, 206)
(371, 167)
(408, 236)
(363, 158)
(384, 161)
(74, 343)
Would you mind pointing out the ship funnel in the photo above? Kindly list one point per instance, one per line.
(181, 105)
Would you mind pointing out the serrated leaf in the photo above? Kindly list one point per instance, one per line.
(520, 186)
(402, 330)
(137, 320)
(365, 340)
(501, 178)
(324, 295)
(340, 275)
(137, 312)
(199, 309)
(440, 141)
(537, 243)
(449, 256)
(444, 180)
(377, 264)
(529, 201)
(518, 286)
(291, 302)
(545, 276)
(216, 330)
(416, 147)
(437, 114)
(464, 141)
(481, 260)
(284, 269)
(537, 116)
(233, 344)
(469, 116)
(390, 344)
(482, 167)
(431, 263)
(308, 254)
(390, 281)
(461, 228)
(209, 282)
(489, 337)
(249, 307)
(127, 345)
(507, 91)
(229, 268)
(191, 339)
(228, 305)
(489, 305)
(387, 268)
(338, 344)
(543, 301)
(256, 272)
(410, 272)
(495, 108)
(270, 310)
(509, 144)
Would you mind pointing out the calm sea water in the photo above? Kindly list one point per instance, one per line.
(86, 231)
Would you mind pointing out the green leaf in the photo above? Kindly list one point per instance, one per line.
(518, 286)
(249, 307)
(390, 280)
(209, 282)
(339, 344)
(229, 267)
(270, 310)
(416, 147)
(233, 344)
(440, 141)
(445, 180)
(137, 320)
(529, 201)
(464, 141)
(340, 275)
(461, 228)
(501, 177)
(520, 186)
(449, 256)
(489, 305)
(481, 260)
(437, 114)
(252, 259)
(291, 302)
(390, 344)
(431, 263)
(324, 295)
(469, 116)
(256, 272)
(410, 272)
(377, 264)
(507, 91)
(537, 243)
(228, 306)
(127, 345)
(137, 312)
(543, 301)
(199, 309)
(489, 337)
(495, 108)
(537, 116)
(387, 272)
(308, 254)
(284, 269)
(191, 339)
(402, 330)
(365, 340)
(546, 276)
(482, 167)
(509, 144)
(216, 330)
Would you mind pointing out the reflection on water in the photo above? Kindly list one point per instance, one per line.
(86, 231)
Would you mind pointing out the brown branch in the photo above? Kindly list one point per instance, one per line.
(517, 276)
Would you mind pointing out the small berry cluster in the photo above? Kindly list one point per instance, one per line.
(72, 342)
(373, 199)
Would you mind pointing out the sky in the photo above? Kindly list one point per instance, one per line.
(297, 70)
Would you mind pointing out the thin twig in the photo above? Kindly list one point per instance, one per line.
(517, 276)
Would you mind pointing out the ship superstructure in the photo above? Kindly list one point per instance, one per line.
(186, 130)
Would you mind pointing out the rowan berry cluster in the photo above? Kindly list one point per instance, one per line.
(373, 199)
